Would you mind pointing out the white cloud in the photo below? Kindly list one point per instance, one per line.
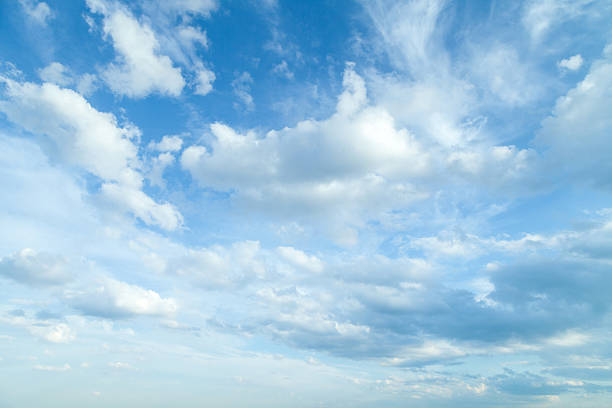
(283, 70)
(83, 135)
(167, 144)
(87, 84)
(504, 75)
(410, 33)
(37, 11)
(300, 259)
(572, 63)
(219, 267)
(139, 69)
(57, 369)
(59, 333)
(203, 7)
(142, 206)
(577, 132)
(242, 89)
(347, 147)
(204, 80)
(119, 365)
(358, 160)
(115, 299)
(36, 269)
(56, 73)
(90, 139)
(540, 16)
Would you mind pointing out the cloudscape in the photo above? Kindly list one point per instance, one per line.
(325, 203)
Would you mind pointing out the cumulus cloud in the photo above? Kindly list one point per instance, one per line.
(167, 144)
(204, 81)
(139, 69)
(358, 161)
(89, 139)
(59, 333)
(36, 269)
(572, 63)
(111, 298)
(355, 151)
(56, 73)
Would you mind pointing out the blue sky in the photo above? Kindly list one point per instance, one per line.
(325, 203)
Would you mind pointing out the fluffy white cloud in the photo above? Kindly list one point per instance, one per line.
(356, 160)
(37, 269)
(300, 259)
(56, 73)
(139, 69)
(572, 63)
(59, 333)
(115, 299)
(142, 206)
(322, 158)
(87, 138)
(167, 144)
(204, 80)
(83, 135)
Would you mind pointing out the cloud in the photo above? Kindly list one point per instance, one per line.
(204, 80)
(114, 299)
(503, 74)
(40, 12)
(218, 267)
(539, 17)
(576, 134)
(167, 144)
(56, 73)
(300, 259)
(132, 199)
(139, 69)
(572, 63)
(283, 70)
(57, 369)
(87, 138)
(202, 7)
(358, 163)
(410, 33)
(35, 269)
(241, 86)
(315, 164)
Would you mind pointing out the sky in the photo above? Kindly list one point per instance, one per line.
(323, 203)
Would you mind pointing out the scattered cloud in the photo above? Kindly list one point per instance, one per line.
(572, 63)
(38, 11)
(36, 269)
(111, 298)
(139, 69)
